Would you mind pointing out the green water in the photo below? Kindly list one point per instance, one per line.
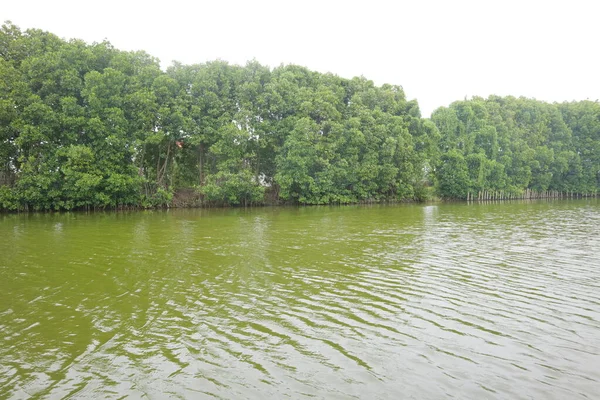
(384, 302)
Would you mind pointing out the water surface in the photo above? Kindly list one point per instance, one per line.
(382, 302)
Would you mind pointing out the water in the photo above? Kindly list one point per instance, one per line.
(384, 302)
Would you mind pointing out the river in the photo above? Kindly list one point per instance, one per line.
(495, 300)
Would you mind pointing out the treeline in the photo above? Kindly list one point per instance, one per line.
(513, 147)
(88, 126)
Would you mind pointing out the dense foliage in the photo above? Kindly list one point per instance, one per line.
(509, 145)
(88, 126)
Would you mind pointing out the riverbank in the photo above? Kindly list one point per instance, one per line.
(192, 200)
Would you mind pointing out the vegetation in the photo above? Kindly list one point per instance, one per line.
(509, 146)
(88, 126)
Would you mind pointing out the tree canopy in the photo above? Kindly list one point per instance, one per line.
(89, 126)
(515, 144)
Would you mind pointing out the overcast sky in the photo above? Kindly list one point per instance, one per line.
(438, 50)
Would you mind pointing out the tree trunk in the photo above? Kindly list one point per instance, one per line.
(201, 164)
(163, 171)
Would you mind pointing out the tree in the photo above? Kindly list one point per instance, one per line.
(453, 176)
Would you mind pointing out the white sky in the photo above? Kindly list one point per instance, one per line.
(438, 50)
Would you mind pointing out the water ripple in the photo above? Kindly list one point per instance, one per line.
(459, 301)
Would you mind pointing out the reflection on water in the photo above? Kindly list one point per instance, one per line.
(418, 301)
